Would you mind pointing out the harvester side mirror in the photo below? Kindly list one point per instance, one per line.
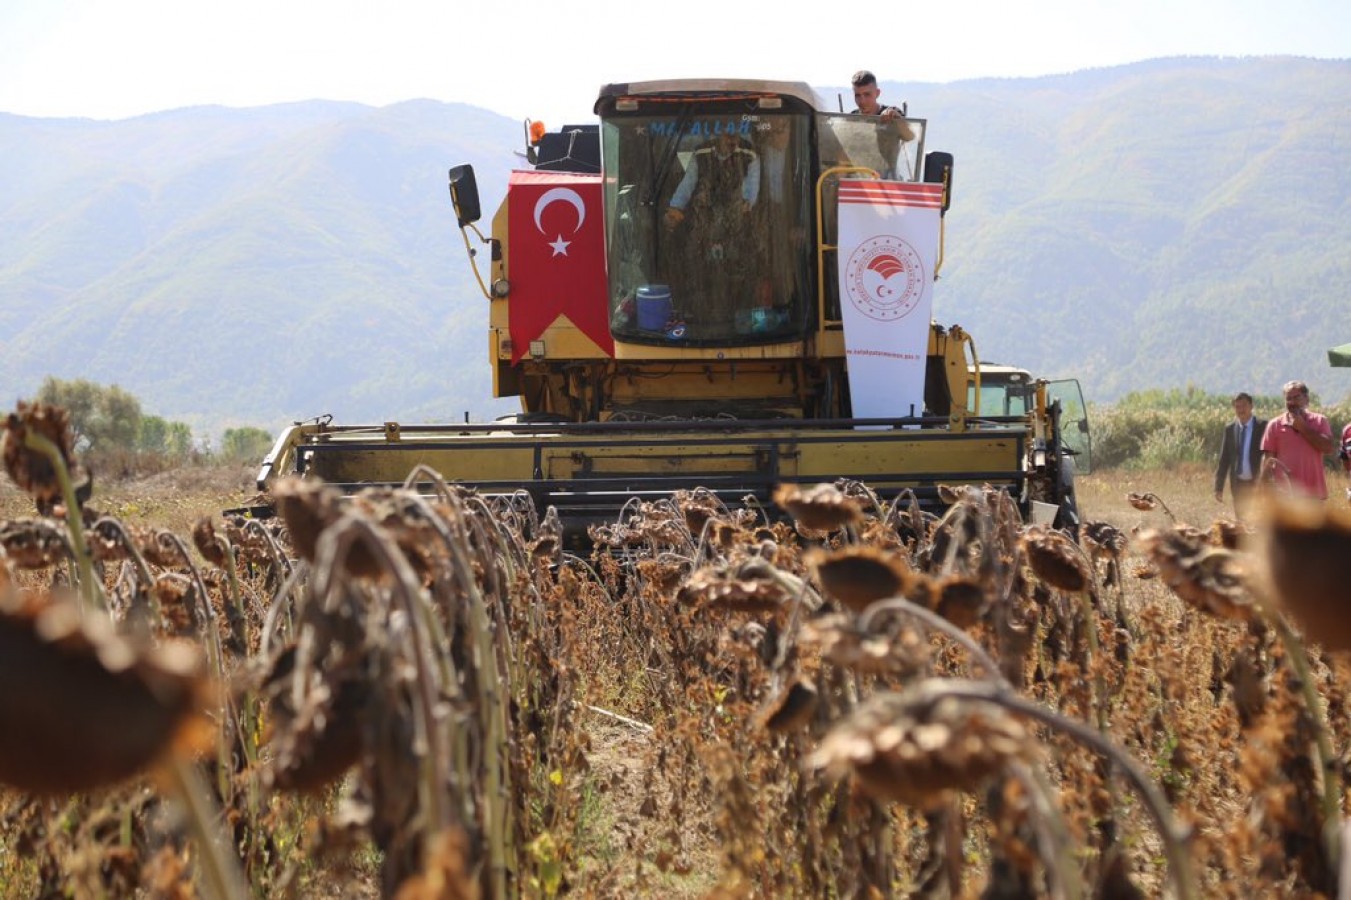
(464, 194)
(938, 170)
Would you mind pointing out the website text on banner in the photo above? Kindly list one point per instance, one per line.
(888, 249)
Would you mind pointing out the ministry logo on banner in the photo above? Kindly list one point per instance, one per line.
(888, 249)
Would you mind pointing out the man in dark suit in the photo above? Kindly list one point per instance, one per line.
(1240, 455)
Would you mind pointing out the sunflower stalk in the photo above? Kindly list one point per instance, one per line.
(1053, 835)
(215, 655)
(1174, 838)
(497, 824)
(1328, 764)
(235, 610)
(494, 717)
(91, 591)
(332, 549)
(223, 877)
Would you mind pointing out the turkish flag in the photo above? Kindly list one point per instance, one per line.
(556, 257)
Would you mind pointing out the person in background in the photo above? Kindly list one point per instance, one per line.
(723, 174)
(893, 130)
(1240, 455)
(1295, 443)
(1345, 455)
(866, 93)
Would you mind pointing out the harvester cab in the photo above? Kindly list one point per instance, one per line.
(721, 285)
(695, 275)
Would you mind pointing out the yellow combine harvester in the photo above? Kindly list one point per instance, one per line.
(724, 286)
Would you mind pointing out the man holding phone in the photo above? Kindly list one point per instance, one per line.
(1294, 444)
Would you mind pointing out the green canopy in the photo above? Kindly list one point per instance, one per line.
(1340, 356)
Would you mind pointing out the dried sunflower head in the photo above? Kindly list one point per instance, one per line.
(159, 546)
(715, 588)
(106, 543)
(32, 471)
(790, 708)
(697, 506)
(859, 576)
(1103, 539)
(959, 599)
(914, 746)
(665, 574)
(1143, 502)
(1305, 547)
(902, 650)
(307, 508)
(83, 707)
(822, 507)
(315, 742)
(948, 495)
(204, 537)
(1055, 559)
(176, 597)
(1208, 578)
(34, 543)
(750, 640)
(1228, 534)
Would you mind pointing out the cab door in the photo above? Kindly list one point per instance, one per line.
(1074, 433)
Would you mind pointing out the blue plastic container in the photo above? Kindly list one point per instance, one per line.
(654, 307)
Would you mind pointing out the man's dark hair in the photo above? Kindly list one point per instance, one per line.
(863, 78)
(1243, 395)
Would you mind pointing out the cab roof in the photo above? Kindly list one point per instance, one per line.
(708, 86)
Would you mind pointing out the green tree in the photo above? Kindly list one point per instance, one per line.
(154, 436)
(170, 439)
(107, 418)
(246, 444)
(178, 442)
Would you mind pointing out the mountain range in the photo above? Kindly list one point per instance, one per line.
(1175, 222)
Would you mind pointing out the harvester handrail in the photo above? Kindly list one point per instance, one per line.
(821, 246)
(666, 426)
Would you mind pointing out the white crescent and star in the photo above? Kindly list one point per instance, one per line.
(553, 195)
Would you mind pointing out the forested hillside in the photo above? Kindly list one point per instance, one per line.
(1172, 222)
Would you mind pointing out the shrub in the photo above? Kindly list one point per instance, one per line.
(247, 444)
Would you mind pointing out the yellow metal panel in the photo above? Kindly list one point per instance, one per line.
(829, 344)
(861, 457)
(665, 382)
(669, 459)
(462, 463)
(674, 351)
(563, 340)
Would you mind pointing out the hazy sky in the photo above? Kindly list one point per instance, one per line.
(119, 58)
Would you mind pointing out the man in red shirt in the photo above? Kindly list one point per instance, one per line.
(1346, 459)
(1294, 444)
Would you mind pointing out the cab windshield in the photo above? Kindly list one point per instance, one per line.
(708, 213)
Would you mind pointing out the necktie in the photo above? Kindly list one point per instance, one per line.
(1243, 452)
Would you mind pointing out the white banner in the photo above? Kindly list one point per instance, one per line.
(888, 247)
